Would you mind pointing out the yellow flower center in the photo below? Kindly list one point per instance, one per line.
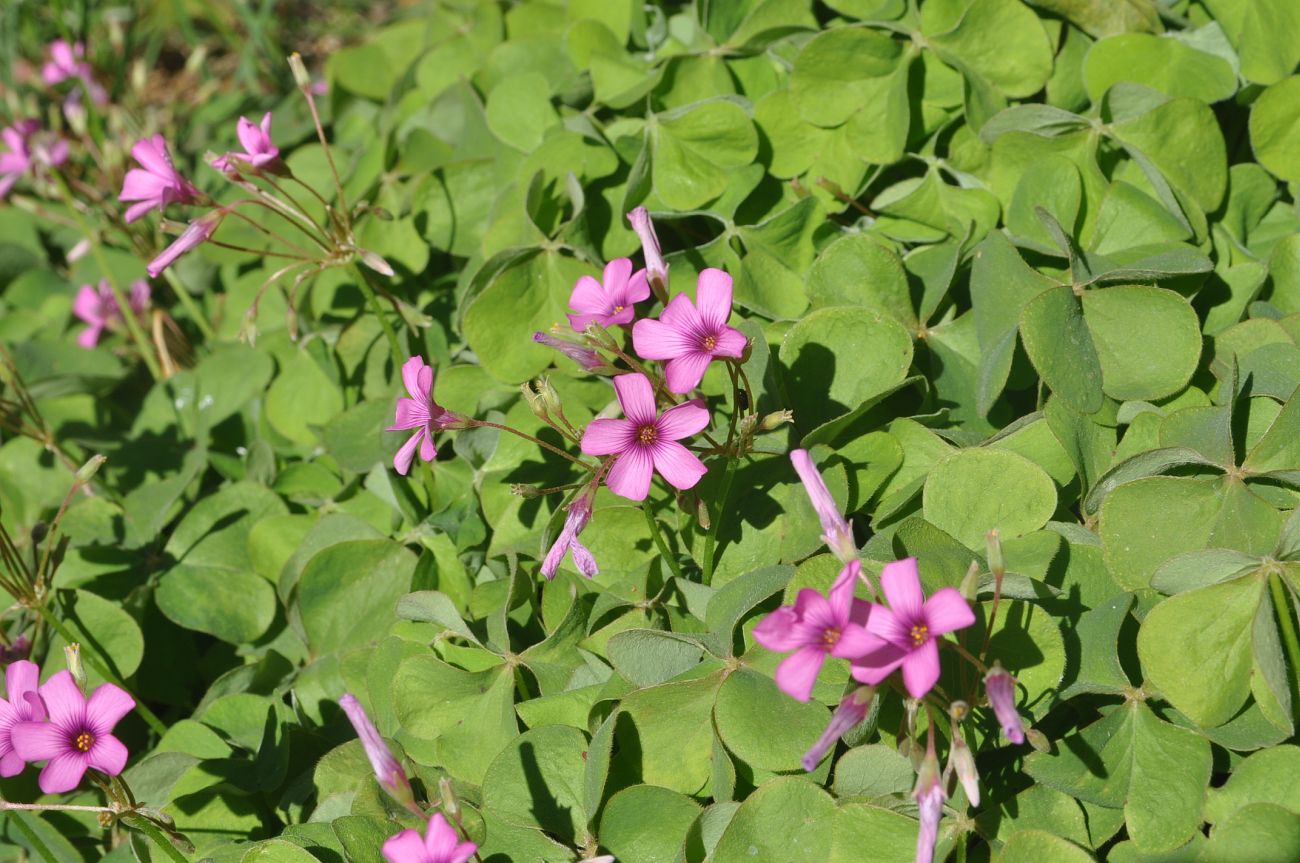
(84, 741)
(709, 343)
(647, 434)
(831, 637)
(618, 309)
(920, 633)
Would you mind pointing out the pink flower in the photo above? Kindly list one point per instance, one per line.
(610, 301)
(687, 337)
(580, 354)
(28, 148)
(930, 795)
(909, 628)
(647, 441)
(256, 141)
(388, 772)
(577, 518)
(419, 412)
(69, 61)
(440, 844)
(157, 183)
(835, 530)
(194, 235)
(1001, 689)
(97, 306)
(815, 627)
(852, 709)
(23, 705)
(78, 734)
(655, 269)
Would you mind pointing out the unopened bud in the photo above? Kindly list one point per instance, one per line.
(550, 398)
(1000, 687)
(88, 470)
(993, 543)
(300, 76)
(447, 795)
(388, 771)
(702, 514)
(852, 709)
(525, 491)
(961, 762)
(970, 583)
(744, 355)
(747, 425)
(958, 710)
(72, 653)
(535, 403)
(374, 262)
(1038, 740)
(776, 419)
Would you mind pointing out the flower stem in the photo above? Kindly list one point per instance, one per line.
(659, 539)
(373, 302)
(538, 441)
(191, 307)
(712, 536)
(1286, 622)
(965, 654)
(92, 659)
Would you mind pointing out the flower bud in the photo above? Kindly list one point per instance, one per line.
(852, 709)
(970, 583)
(775, 420)
(1038, 740)
(1001, 689)
(388, 772)
(300, 76)
(930, 795)
(88, 470)
(525, 491)
(447, 796)
(535, 403)
(961, 762)
(72, 653)
(655, 269)
(550, 398)
(580, 354)
(993, 544)
(374, 262)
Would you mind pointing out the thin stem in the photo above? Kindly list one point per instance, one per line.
(965, 654)
(993, 612)
(659, 539)
(263, 252)
(191, 308)
(52, 807)
(92, 659)
(712, 536)
(538, 441)
(289, 214)
(320, 133)
(1286, 622)
(373, 302)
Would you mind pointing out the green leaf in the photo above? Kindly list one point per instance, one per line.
(975, 491)
(1098, 632)
(1173, 67)
(786, 819)
(841, 70)
(1033, 846)
(1001, 40)
(858, 270)
(1148, 340)
(1267, 776)
(1146, 522)
(749, 706)
(1265, 33)
(348, 592)
(1182, 139)
(1259, 831)
(1060, 346)
(648, 657)
(670, 729)
(102, 628)
(537, 781)
(1274, 127)
(696, 148)
(302, 399)
(645, 824)
(1199, 636)
(872, 771)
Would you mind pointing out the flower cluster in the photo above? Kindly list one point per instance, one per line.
(98, 307)
(55, 723)
(683, 340)
(903, 633)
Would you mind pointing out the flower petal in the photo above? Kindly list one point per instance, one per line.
(63, 700)
(38, 741)
(660, 340)
(875, 666)
(107, 705)
(630, 475)
(607, 436)
(855, 642)
(638, 289)
(731, 343)
(410, 414)
(584, 559)
(588, 297)
(798, 672)
(11, 764)
(683, 420)
(681, 467)
(441, 841)
(902, 586)
(63, 773)
(152, 155)
(402, 460)
(411, 379)
(685, 371)
(615, 279)
(428, 452)
(947, 611)
(637, 398)
(841, 592)
(108, 755)
(713, 297)
(405, 847)
(921, 669)
(21, 677)
(779, 630)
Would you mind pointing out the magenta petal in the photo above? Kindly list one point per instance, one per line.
(902, 586)
(885, 624)
(402, 460)
(778, 631)
(631, 473)
(921, 669)
(607, 436)
(638, 288)
(63, 700)
(411, 378)
(947, 611)
(63, 773)
(731, 343)
(637, 398)
(37, 741)
(855, 642)
(440, 840)
(410, 414)
(875, 666)
(587, 297)
(405, 847)
(685, 371)
(428, 451)
(678, 465)
(615, 278)
(138, 211)
(841, 592)
(21, 677)
(89, 337)
(657, 340)
(107, 705)
(108, 755)
(713, 297)
(140, 185)
(798, 672)
(88, 306)
(683, 420)
(583, 559)
(152, 154)
(11, 764)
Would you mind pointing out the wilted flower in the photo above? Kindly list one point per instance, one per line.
(97, 306)
(388, 772)
(580, 354)
(610, 301)
(258, 149)
(930, 795)
(962, 762)
(1001, 689)
(852, 709)
(815, 627)
(419, 412)
(578, 516)
(440, 844)
(647, 441)
(835, 530)
(195, 234)
(156, 183)
(78, 734)
(689, 335)
(655, 268)
(21, 704)
(909, 628)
